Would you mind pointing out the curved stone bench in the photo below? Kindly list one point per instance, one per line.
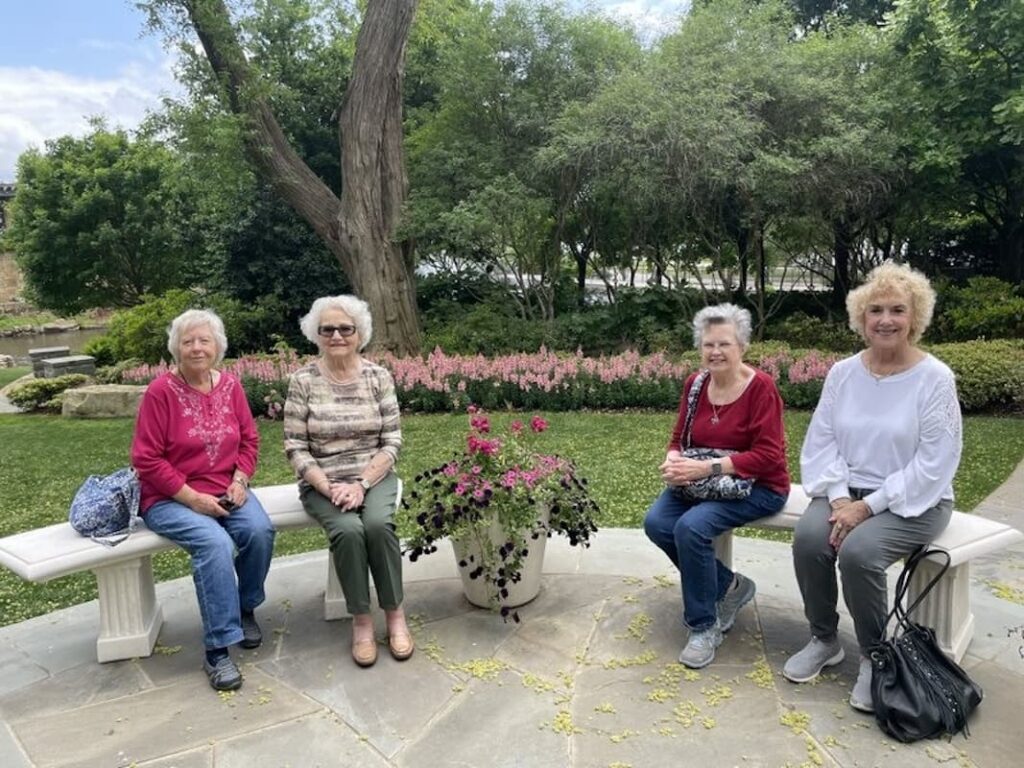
(947, 608)
(130, 616)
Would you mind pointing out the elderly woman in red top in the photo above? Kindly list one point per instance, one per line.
(195, 449)
(739, 412)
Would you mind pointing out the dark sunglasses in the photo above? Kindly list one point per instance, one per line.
(329, 330)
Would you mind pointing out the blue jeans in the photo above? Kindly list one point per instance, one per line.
(212, 542)
(686, 531)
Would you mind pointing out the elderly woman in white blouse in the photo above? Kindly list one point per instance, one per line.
(878, 462)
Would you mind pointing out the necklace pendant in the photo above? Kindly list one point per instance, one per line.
(714, 419)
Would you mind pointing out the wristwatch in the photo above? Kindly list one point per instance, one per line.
(363, 483)
(716, 468)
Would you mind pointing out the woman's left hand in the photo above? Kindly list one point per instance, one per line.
(680, 470)
(236, 493)
(347, 496)
(844, 519)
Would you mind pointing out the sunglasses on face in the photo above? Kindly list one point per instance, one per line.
(328, 331)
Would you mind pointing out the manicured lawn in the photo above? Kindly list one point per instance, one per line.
(7, 375)
(43, 459)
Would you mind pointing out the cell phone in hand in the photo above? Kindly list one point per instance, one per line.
(226, 504)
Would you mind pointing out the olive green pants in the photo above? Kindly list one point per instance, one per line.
(363, 542)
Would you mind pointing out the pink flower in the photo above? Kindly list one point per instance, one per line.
(516, 427)
(537, 424)
(451, 469)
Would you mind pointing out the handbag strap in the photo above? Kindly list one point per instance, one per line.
(902, 615)
(691, 408)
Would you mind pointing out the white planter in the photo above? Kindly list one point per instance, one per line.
(478, 591)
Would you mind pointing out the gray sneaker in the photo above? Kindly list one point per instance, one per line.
(740, 593)
(807, 663)
(860, 696)
(700, 648)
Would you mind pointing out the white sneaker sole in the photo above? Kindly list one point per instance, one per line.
(831, 662)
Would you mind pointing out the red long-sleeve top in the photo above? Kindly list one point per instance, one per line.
(751, 425)
(184, 436)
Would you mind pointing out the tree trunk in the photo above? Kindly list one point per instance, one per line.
(841, 267)
(358, 229)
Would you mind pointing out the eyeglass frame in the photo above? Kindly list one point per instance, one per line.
(328, 331)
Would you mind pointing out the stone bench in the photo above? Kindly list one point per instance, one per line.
(61, 366)
(37, 355)
(947, 609)
(130, 615)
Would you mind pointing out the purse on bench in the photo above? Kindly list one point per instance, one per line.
(106, 508)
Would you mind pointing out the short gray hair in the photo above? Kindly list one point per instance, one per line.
(352, 306)
(721, 314)
(193, 318)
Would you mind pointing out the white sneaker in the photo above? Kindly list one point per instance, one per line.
(700, 648)
(807, 663)
(860, 696)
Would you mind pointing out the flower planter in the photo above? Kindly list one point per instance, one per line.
(479, 591)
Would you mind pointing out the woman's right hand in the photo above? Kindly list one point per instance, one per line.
(205, 504)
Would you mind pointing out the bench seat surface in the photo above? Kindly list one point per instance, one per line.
(57, 550)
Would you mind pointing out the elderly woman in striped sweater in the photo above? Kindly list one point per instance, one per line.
(342, 436)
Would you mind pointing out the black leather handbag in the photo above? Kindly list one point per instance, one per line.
(917, 691)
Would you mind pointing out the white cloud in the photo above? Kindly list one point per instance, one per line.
(38, 104)
(652, 18)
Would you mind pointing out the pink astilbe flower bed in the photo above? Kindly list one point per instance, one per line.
(541, 380)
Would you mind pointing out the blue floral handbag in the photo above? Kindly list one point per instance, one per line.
(106, 509)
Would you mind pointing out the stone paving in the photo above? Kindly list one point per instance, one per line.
(588, 678)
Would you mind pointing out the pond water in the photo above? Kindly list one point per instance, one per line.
(20, 345)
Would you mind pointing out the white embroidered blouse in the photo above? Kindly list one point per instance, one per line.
(900, 435)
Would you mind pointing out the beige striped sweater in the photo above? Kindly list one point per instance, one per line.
(340, 427)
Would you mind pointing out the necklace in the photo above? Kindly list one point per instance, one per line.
(879, 376)
(714, 412)
(198, 387)
(326, 370)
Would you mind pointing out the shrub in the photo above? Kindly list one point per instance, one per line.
(802, 330)
(989, 374)
(985, 308)
(141, 331)
(44, 394)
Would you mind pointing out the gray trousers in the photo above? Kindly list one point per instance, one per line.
(865, 554)
(363, 542)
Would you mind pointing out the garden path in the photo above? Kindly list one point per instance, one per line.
(587, 679)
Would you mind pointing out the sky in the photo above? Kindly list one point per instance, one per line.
(64, 61)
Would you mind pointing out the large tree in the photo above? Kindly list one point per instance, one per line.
(97, 221)
(359, 226)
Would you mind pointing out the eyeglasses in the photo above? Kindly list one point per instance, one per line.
(328, 331)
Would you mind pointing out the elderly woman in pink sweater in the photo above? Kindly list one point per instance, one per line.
(195, 449)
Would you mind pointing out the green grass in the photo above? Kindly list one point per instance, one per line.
(43, 459)
(7, 375)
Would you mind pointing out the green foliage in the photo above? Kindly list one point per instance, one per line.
(44, 394)
(97, 221)
(984, 308)
(141, 332)
(989, 374)
(802, 330)
(485, 328)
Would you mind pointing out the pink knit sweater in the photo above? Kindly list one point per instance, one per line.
(185, 436)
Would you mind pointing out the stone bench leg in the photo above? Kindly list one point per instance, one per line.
(947, 608)
(130, 617)
(334, 599)
(723, 549)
